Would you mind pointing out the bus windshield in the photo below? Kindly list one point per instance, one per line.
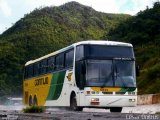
(110, 73)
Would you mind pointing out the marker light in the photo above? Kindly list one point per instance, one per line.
(131, 93)
(94, 99)
(88, 92)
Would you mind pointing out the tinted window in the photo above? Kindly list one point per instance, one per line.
(36, 69)
(30, 70)
(60, 61)
(99, 73)
(25, 72)
(101, 51)
(124, 73)
(79, 52)
(80, 73)
(69, 58)
(51, 64)
(43, 66)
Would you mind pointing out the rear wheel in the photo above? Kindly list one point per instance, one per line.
(116, 109)
(30, 101)
(73, 104)
(79, 109)
(35, 102)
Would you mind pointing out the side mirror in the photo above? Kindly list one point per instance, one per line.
(137, 70)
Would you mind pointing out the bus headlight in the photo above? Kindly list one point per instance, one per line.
(94, 99)
(132, 100)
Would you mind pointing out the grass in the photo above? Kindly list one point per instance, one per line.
(149, 80)
(34, 109)
(158, 113)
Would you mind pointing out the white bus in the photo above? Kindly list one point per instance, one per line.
(93, 74)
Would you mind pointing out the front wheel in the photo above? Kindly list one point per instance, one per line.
(73, 104)
(116, 109)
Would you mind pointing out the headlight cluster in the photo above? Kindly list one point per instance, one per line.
(131, 93)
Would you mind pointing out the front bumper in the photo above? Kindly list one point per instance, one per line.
(110, 101)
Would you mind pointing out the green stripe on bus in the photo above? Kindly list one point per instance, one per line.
(127, 89)
(56, 85)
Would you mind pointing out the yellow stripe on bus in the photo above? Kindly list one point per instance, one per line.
(105, 89)
(38, 86)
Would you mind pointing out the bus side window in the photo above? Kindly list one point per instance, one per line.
(36, 69)
(30, 71)
(51, 64)
(43, 66)
(69, 58)
(25, 72)
(60, 61)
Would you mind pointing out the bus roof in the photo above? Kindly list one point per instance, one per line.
(94, 42)
(103, 42)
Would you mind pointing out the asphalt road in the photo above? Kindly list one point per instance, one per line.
(69, 115)
(143, 112)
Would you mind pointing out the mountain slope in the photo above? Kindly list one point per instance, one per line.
(46, 30)
(143, 31)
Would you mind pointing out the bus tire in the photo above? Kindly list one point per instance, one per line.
(30, 101)
(73, 104)
(116, 109)
(80, 108)
(35, 101)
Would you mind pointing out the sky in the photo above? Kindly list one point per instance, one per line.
(13, 10)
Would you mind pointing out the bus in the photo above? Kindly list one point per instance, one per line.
(86, 74)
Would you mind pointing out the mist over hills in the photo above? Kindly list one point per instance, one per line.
(47, 29)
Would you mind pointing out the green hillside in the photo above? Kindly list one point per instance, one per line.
(48, 29)
(45, 30)
(143, 31)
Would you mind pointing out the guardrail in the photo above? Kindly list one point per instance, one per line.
(148, 99)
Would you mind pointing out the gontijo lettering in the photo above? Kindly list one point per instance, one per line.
(41, 81)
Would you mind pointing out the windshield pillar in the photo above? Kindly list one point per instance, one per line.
(80, 73)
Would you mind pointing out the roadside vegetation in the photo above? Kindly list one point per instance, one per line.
(158, 113)
(143, 31)
(34, 109)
